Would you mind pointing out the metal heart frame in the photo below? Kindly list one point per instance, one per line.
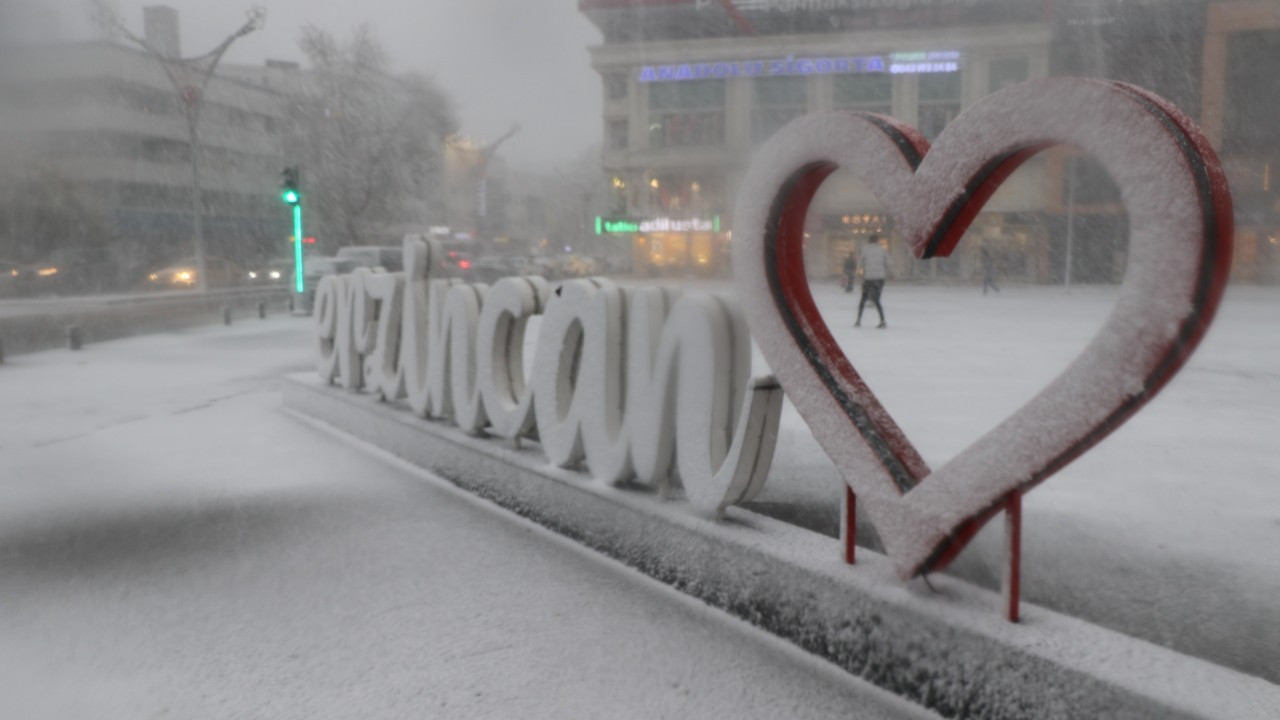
(1180, 215)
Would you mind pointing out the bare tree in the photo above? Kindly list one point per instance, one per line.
(369, 142)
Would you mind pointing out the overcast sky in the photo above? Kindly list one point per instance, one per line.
(502, 61)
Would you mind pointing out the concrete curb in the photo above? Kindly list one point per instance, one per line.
(949, 651)
(44, 326)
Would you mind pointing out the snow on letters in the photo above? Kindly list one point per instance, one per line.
(641, 385)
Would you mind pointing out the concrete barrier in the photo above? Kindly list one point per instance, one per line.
(33, 325)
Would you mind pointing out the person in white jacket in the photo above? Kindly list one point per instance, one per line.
(875, 268)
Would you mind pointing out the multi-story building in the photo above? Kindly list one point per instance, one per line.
(1239, 98)
(692, 87)
(106, 122)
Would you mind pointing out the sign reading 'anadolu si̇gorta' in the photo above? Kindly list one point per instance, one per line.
(646, 385)
(895, 63)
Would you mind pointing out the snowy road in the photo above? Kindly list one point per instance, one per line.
(173, 544)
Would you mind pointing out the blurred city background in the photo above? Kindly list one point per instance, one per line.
(131, 159)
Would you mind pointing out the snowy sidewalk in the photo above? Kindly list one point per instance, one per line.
(172, 543)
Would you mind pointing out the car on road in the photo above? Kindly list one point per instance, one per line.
(278, 271)
(183, 275)
(13, 279)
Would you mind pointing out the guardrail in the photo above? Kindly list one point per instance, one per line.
(33, 325)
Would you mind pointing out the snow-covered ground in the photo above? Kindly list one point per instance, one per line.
(1170, 529)
(166, 533)
(172, 544)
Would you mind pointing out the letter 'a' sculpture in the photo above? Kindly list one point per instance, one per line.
(1180, 220)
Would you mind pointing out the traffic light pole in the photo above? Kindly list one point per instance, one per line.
(297, 248)
(292, 196)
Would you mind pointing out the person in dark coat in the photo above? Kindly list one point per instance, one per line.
(850, 268)
(988, 273)
(875, 268)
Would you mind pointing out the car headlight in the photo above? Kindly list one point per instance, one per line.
(275, 274)
(253, 275)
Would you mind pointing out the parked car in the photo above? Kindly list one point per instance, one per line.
(384, 256)
(457, 264)
(221, 273)
(314, 269)
(492, 268)
(578, 266)
(523, 266)
(547, 267)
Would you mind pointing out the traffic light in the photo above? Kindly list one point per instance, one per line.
(291, 193)
(291, 187)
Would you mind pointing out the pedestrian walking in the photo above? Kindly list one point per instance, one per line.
(850, 269)
(875, 268)
(988, 273)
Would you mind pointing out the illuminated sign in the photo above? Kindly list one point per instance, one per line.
(763, 68)
(829, 5)
(913, 62)
(924, 62)
(604, 225)
(626, 225)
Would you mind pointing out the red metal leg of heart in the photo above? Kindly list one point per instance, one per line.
(1181, 237)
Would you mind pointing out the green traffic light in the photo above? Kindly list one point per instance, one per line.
(290, 196)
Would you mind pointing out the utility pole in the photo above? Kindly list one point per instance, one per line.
(1071, 211)
(189, 77)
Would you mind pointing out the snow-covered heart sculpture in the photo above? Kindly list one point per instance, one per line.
(1180, 221)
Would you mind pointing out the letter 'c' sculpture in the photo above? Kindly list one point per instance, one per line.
(651, 386)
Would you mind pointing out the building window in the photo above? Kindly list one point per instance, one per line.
(686, 195)
(1252, 93)
(686, 113)
(939, 102)
(1007, 71)
(615, 86)
(865, 92)
(615, 132)
(778, 101)
(617, 196)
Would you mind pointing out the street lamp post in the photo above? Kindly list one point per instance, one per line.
(189, 77)
(480, 168)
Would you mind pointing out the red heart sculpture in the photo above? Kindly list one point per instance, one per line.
(1180, 221)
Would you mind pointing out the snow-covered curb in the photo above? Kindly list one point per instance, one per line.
(948, 650)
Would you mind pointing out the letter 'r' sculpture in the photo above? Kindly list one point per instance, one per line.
(1180, 221)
